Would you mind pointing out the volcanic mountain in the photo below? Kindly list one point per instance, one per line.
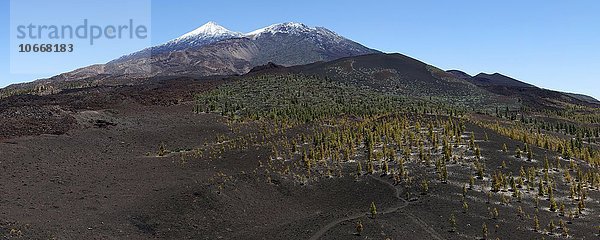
(530, 95)
(214, 50)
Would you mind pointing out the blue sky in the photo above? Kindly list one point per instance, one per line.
(552, 44)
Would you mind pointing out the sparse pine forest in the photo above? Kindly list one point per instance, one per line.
(316, 129)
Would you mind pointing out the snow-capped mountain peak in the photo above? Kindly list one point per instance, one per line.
(210, 30)
(207, 34)
(288, 28)
(271, 39)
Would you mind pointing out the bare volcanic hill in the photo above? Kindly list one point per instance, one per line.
(530, 95)
(459, 74)
(401, 75)
(584, 98)
(497, 79)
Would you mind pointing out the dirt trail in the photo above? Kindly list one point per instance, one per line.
(403, 203)
(418, 221)
(333, 223)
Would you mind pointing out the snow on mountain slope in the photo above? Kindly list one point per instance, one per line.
(208, 32)
(293, 28)
(289, 28)
(214, 50)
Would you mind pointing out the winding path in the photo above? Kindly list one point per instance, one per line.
(403, 204)
(418, 221)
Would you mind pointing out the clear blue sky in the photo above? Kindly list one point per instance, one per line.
(549, 43)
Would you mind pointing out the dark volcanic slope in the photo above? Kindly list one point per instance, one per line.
(538, 98)
(296, 44)
(497, 79)
(527, 94)
(530, 95)
(459, 74)
(584, 98)
(394, 72)
(399, 74)
(403, 75)
(24, 115)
